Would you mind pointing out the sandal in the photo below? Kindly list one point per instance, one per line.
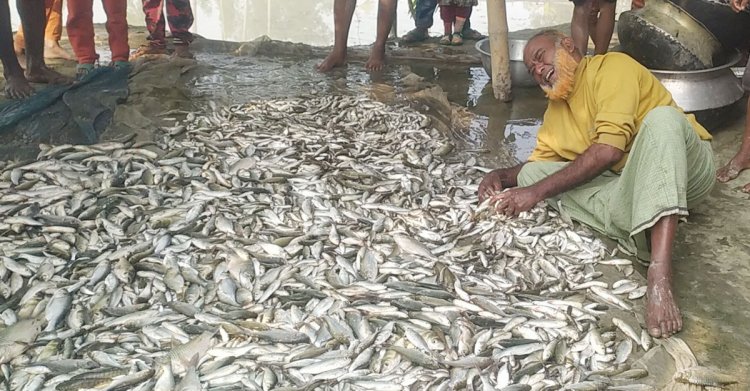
(446, 40)
(457, 39)
(416, 35)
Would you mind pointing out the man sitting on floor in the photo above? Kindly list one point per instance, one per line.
(614, 152)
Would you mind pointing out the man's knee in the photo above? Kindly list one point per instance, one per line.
(666, 121)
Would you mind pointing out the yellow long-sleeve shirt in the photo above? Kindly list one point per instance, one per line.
(611, 97)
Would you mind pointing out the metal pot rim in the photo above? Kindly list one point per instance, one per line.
(733, 60)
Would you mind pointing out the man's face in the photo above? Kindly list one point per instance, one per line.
(539, 57)
(552, 66)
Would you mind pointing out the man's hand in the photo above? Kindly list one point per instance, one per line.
(636, 4)
(514, 201)
(738, 5)
(491, 184)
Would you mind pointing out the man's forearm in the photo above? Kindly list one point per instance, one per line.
(594, 161)
(509, 176)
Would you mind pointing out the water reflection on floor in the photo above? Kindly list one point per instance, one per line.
(496, 127)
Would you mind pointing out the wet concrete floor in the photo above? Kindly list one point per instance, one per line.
(712, 254)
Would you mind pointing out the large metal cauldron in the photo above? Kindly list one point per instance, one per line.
(519, 75)
(661, 35)
(705, 89)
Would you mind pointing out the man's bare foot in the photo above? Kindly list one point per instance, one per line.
(53, 49)
(376, 62)
(46, 75)
(735, 166)
(183, 51)
(16, 87)
(663, 318)
(746, 189)
(335, 59)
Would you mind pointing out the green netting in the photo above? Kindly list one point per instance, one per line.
(76, 113)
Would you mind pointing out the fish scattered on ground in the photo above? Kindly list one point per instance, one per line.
(301, 243)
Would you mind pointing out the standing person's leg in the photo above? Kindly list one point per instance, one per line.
(343, 11)
(80, 26)
(157, 42)
(19, 43)
(117, 30)
(741, 159)
(579, 25)
(33, 19)
(422, 21)
(604, 26)
(468, 32)
(53, 32)
(461, 14)
(386, 10)
(180, 18)
(16, 86)
(447, 16)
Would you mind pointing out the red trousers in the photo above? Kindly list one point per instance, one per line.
(80, 27)
(449, 13)
(179, 17)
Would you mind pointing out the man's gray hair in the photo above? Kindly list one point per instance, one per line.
(555, 35)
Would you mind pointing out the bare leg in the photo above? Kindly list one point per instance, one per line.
(459, 24)
(605, 25)
(741, 160)
(16, 86)
(386, 9)
(53, 32)
(33, 19)
(343, 11)
(579, 26)
(663, 317)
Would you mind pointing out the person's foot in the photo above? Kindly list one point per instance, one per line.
(183, 51)
(457, 39)
(53, 49)
(739, 163)
(472, 34)
(663, 317)
(335, 59)
(45, 75)
(746, 189)
(376, 62)
(445, 40)
(416, 35)
(84, 69)
(148, 49)
(17, 87)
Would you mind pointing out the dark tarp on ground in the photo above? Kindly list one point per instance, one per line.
(75, 114)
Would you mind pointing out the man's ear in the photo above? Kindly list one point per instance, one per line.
(568, 44)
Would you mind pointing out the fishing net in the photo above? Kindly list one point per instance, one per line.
(76, 113)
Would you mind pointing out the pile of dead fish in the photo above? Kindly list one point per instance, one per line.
(322, 243)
